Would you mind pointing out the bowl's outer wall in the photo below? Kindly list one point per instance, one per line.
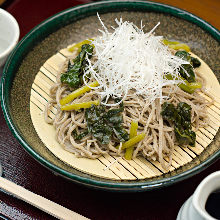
(76, 24)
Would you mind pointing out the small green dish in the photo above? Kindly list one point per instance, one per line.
(74, 25)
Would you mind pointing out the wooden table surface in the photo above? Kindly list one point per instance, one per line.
(22, 169)
(209, 10)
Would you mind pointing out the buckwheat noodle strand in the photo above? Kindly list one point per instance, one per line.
(159, 141)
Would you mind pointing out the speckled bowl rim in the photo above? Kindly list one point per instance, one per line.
(107, 5)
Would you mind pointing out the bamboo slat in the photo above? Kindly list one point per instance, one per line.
(48, 73)
(132, 169)
(148, 166)
(189, 152)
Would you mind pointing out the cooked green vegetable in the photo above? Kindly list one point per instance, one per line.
(187, 73)
(184, 110)
(120, 133)
(132, 141)
(104, 124)
(74, 75)
(186, 70)
(79, 45)
(183, 55)
(190, 87)
(77, 106)
(186, 56)
(176, 45)
(186, 86)
(79, 136)
(169, 112)
(185, 137)
(168, 42)
(195, 62)
(77, 93)
(133, 133)
(184, 133)
(181, 117)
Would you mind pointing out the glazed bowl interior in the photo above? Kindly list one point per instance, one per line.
(9, 35)
(76, 24)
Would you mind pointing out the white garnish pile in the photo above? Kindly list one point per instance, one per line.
(129, 59)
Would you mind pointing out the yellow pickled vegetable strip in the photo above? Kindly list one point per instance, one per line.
(133, 133)
(167, 42)
(77, 106)
(133, 129)
(132, 141)
(176, 45)
(77, 93)
(186, 86)
(78, 45)
(129, 153)
(180, 47)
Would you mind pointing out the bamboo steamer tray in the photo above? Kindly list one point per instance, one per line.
(107, 166)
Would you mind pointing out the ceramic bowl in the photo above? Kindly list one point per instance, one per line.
(195, 207)
(9, 36)
(74, 25)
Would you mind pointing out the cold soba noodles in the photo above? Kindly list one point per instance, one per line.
(128, 93)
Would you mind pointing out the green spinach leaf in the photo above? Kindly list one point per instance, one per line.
(104, 124)
(74, 75)
(186, 70)
(79, 136)
(181, 117)
(195, 62)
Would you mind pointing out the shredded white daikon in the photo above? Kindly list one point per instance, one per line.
(129, 59)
